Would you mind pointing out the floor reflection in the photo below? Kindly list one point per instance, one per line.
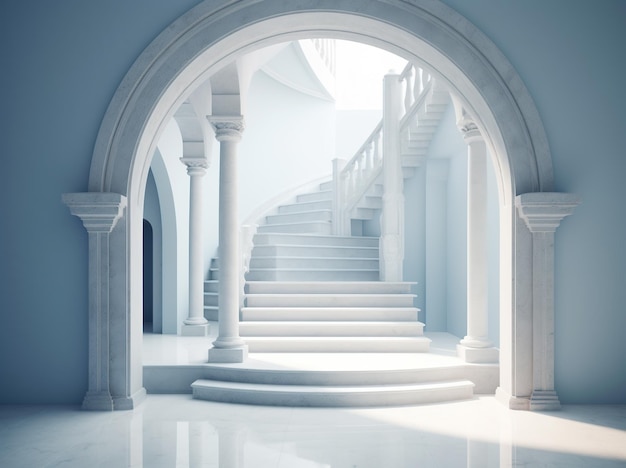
(176, 431)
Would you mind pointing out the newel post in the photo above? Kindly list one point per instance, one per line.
(391, 248)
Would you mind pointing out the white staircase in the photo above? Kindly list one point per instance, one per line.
(317, 296)
(309, 291)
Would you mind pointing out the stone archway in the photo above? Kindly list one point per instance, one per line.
(214, 33)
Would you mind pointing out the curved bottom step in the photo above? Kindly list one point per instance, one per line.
(332, 396)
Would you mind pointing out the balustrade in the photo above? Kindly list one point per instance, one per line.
(362, 170)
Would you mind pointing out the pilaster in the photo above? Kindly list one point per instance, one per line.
(99, 213)
(542, 213)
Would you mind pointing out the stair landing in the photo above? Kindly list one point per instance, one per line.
(174, 364)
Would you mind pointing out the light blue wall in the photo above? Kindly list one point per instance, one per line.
(63, 60)
(570, 56)
(289, 148)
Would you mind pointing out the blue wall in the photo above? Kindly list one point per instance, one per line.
(63, 60)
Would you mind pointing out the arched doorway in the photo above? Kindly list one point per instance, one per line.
(211, 35)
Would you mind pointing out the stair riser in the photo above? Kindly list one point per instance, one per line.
(330, 329)
(319, 300)
(286, 275)
(339, 345)
(342, 314)
(178, 379)
(357, 287)
(324, 228)
(302, 207)
(211, 299)
(211, 313)
(211, 286)
(304, 217)
(322, 399)
(304, 239)
(324, 195)
(307, 263)
(313, 251)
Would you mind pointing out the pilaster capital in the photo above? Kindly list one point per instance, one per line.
(543, 211)
(195, 166)
(99, 211)
(228, 127)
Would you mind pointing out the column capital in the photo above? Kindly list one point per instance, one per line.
(543, 211)
(469, 129)
(195, 166)
(227, 127)
(99, 211)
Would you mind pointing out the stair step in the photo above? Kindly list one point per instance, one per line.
(329, 300)
(302, 217)
(335, 344)
(211, 298)
(319, 251)
(211, 313)
(306, 206)
(321, 227)
(306, 328)
(294, 287)
(314, 239)
(342, 314)
(272, 274)
(314, 262)
(315, 196)
(211, 286)
(331, 396)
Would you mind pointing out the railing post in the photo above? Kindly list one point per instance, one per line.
(391, 249)
(338, 198)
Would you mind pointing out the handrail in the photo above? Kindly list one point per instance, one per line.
(361, 171)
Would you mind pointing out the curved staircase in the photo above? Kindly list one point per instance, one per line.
(322, 330)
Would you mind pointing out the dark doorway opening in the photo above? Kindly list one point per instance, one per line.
(148, 277)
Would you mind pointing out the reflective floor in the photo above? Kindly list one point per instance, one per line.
(176, 431)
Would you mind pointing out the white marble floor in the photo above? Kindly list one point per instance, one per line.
(176, 431)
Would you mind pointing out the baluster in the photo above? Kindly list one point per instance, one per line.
(368, 159)
(419, 84)
(377, 155)
(408, 90)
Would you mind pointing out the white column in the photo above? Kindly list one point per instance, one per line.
(228, 347)
(195, 324)
(543, 213)
(475, 347)
(392, 218)
(99, 213)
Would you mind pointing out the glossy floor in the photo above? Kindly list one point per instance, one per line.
(176, 431)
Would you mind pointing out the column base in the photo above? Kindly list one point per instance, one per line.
(228, 355)
(129, 402)
(488, 355)
(544, 400)
(512, 402)
(195, 330)
(98, 401)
